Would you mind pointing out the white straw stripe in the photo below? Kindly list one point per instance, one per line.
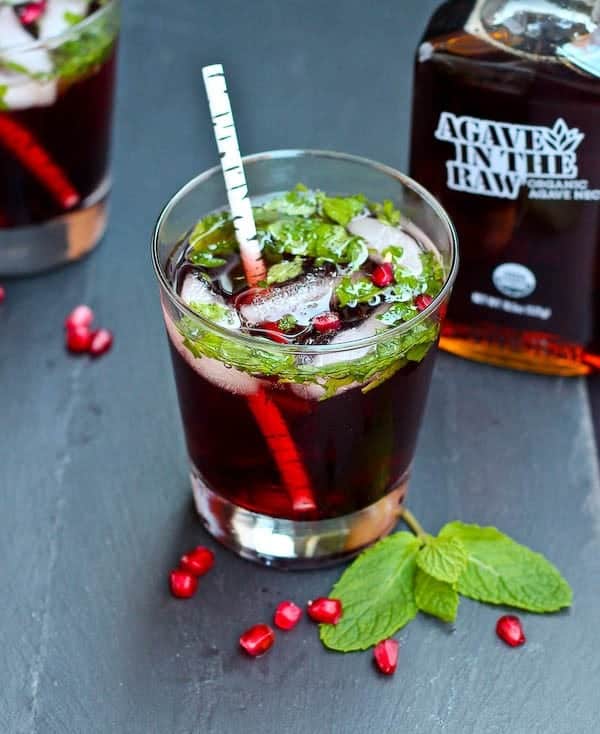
(233, 172)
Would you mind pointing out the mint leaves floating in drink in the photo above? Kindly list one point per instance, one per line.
(325, 255)
(390, 582)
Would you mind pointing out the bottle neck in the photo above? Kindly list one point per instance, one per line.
(535, 28)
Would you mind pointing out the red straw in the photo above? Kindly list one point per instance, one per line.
(284, 451)
(26, 149)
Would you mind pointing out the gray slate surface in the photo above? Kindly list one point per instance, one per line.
(95, 501)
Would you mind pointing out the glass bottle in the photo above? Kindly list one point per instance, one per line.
(506, 133)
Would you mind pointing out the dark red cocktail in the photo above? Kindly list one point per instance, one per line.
(302, 397)
(57, 73)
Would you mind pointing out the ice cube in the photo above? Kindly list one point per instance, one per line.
(227, 378)
(379, 235)
(304, 299)
(22, 91)
(366, 329)
(57, 15)
(197, 290)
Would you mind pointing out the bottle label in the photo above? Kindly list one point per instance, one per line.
(500, 158)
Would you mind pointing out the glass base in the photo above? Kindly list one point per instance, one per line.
(39, 247)
(293, 544)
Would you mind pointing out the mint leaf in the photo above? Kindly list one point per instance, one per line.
(212, 241)
(376, 593)
(433, 273)
(501, 571)
(285, 270)
(343, 209)
(443, 558)
(217, 313)
(3, 91)
(386, 212)
(85, 51)
(352, 291)
(435, 597)
(314, 238)
(398, 313)
(287, 322)
(298, 202)
(73, 18)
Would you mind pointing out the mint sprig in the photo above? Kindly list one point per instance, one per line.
(375, 604)
(387, 583)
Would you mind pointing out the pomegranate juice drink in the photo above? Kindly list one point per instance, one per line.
(57, 69)
(302, 397)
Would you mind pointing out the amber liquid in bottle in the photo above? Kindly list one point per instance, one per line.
(506, 133)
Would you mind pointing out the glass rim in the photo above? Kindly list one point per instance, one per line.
(345, 346)
(64, 35)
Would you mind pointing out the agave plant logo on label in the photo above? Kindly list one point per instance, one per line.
(498, 159)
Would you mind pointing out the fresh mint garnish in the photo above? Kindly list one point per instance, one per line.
(285, 270)
(437, 598)
(398, 313)
(386, 212)
(342, 209)
(212, 241)
(381, 590)
(217, 313)
(261, 359)
(299, 202)
(3, 91)
(87, 49)
(315, 238)
(443, 558)
(377, 593)
(73, 18)
(352, 291)
(501, 571)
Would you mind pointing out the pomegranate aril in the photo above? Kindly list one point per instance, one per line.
(79, 316)
(2, 294)
(326, 322)
(198, 561)
(383, 275)
(183, 584)
(510, 630)
(422, 301)
(328, 611)
(287, 615)
(385, 655)
(78, 339)
(31, 12)
(101, 342)
(257, 640)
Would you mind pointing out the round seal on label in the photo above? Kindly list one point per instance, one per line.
(514, 280)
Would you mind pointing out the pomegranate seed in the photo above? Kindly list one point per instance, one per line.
(385, 654)
(510, 630)
(79, 316)
(274, 332)
(422, 301)
(31, 12)
(326, 322)
(287, 615)
(198, 561)
(324, 610)
(78, 339)
(183, 584)
(257, 640)
(383, 275)
(2, 294)
(101, 342)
